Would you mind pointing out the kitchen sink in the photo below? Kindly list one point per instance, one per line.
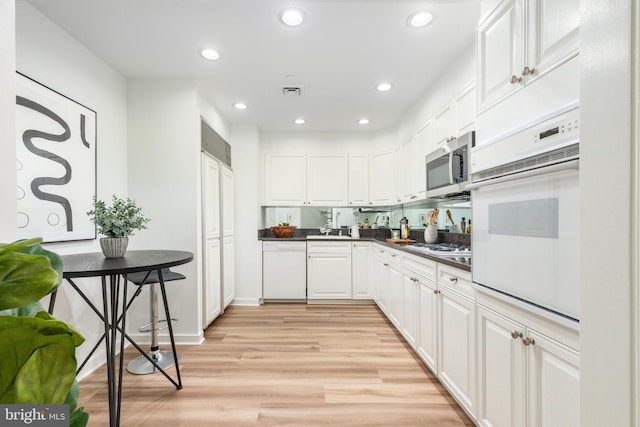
(329, 237)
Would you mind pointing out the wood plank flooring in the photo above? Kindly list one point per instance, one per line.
(286, 365)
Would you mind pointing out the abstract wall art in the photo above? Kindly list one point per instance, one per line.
(56, 163)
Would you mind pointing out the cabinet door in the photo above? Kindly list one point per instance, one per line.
(501, 372)
(227, 201)
(212, 306)
(410, 308)
(444, 125)
(423, 147)
(327, 179)
(382, 182)
(358, 179)
(285, 179)
(211, 196)
(500, 53)
(428, 323)
(228, 269)
(465, 109)
(553, 383)
(329, 275)
(457, 347)
(395, 295)
(553, 34)
(406, 161)
(361, 269)
(381, 280)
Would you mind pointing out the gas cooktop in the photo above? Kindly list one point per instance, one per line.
(443, 249)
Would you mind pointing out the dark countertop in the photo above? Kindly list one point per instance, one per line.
(380, 237)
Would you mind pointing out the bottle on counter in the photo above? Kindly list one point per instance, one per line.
(366, 223)
(469, 227)
(463, 226)
(403, 228)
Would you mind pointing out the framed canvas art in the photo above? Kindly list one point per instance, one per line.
(56, 163)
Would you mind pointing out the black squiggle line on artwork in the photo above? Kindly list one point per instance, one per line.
(83, 130)
(27, 138)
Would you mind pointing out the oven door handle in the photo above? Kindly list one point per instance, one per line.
(573, 164)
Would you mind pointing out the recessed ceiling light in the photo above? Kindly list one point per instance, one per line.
(240, 106)
(420, 19)
(363, 121)
(299, 121)
(292, 16)
(210, 54)
(383, 87)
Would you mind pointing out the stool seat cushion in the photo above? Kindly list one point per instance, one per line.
(167, 275)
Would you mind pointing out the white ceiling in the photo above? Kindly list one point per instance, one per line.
(339, 54)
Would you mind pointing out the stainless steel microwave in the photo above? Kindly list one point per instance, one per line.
(448, 167)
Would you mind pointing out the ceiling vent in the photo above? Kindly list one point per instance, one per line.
(292, 91)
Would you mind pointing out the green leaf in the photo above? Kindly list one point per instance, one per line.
(25, 279)
(36, 368)
(78, 418)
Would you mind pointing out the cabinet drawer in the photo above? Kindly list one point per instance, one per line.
(422, 266)
(333, 247)
(456, 279)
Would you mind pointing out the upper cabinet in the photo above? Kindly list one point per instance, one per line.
(382, 179)
(358, 179)
(327, 179)
(298, 179)
(285, 179)
(465, 109)
(520, 42)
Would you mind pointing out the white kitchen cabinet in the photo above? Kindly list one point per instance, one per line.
(329, 270)
(444, 125)
(395, 292)
(212, 281)
(361, 269)
(358, 179)
(285, 179)
(382, 182)
(465, 109)
(428, 323)
(501, 371)
(456, 352)
(410, 285)
(211, 286)
(521, 41)
(423, 147)
(327, 180)
(227, 208)
(528, 369)
(407, 188)
(381, 278)
(228, 270)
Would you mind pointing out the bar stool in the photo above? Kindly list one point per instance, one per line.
(164, 359)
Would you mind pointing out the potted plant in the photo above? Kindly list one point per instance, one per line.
(38, 351)
(117, 222)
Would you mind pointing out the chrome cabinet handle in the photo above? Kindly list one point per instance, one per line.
(516, 335)
(526, 71)
(515, 79)
(453, 279)
(436, 291)
(528, 341)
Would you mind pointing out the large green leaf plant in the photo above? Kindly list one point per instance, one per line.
(37, 351)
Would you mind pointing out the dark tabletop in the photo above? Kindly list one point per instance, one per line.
(95, 264)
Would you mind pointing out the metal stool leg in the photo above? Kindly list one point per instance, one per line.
(141, 365)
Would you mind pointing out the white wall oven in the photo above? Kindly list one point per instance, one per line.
(525, 210)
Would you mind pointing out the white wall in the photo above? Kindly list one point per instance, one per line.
(164, 179)
(50, 56)
(246, 161)
(8, 208)
(605, 148)
(322, 142)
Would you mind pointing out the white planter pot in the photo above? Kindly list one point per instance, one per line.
(431, 234)
(114, 247)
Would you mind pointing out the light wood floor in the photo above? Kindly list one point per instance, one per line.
(286, 365)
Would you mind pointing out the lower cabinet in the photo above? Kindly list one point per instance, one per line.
(361, 270)
(427, 342)
(525, 377)
(457, 348)
(381, 279)
(328, 270)
(396, 299)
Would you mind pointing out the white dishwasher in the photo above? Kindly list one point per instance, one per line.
(284, 271)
